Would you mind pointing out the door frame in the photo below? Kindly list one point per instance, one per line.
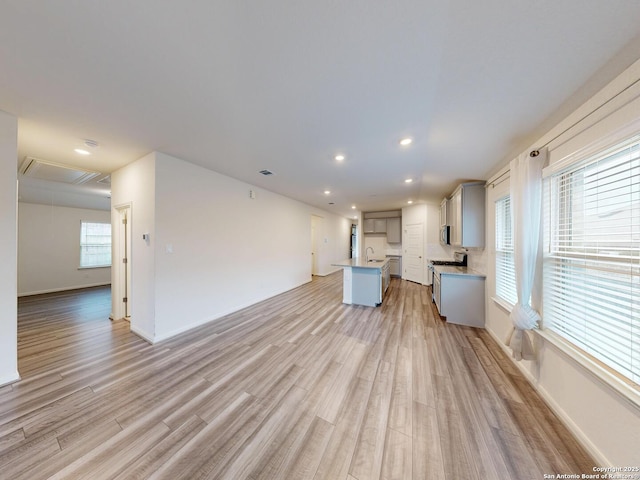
(121, 241)
(317, 223)
(421, 256)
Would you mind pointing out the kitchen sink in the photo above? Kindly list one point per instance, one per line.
(376, 261)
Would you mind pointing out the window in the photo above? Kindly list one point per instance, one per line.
(592, 256)
(95, 244)
(505, 274)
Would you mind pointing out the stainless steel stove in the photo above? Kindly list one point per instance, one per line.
(459, 260)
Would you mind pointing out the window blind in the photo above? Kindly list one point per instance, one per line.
(95, 244)
(592, 256)
(505, 272)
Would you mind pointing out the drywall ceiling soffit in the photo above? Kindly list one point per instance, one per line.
(55, 172)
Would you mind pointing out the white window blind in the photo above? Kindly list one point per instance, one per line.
(592, 256)
(505, 275)
(95, 244)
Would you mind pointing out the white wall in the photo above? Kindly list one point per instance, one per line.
(8, 252)
(334, 234)
(213, 249)
(134, 184)
(49, 249)
(606, 421)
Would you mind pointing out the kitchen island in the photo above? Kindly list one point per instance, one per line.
(364, 282)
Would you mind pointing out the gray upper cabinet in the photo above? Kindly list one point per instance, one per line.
(368, 225)
(394, 230)
(444, 212)
(383, 222)
(375, 225)
(379, 225)
(467, 215)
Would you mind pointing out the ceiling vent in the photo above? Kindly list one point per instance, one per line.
(43, 170)
(105, 180)
(266, 173)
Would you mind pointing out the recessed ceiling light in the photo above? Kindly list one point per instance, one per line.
(91, 143)
(408, 180)
(406, 141)
(353, 207)
(327, 192)
(80, 151)
(339, 158)
(266, 172)
(410, 202)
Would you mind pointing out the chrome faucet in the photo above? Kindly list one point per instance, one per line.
(366, 253)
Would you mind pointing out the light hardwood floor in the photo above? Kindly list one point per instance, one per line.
(297, 387)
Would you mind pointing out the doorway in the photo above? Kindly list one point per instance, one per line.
(316, 231)
(122, 263)
(412, 260)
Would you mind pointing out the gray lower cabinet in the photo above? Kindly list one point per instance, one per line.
(367, 286)
(460, 298)
(395, 266)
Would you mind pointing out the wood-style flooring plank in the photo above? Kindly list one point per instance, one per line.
(426, 454)
(299, 386)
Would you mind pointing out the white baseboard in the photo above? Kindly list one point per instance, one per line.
(11, 378)
(326, 274)
(63, 289)
(584, 440)
(204, 321)
(142, 334)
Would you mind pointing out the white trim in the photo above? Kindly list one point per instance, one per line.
(606, 378)
(9, 379)
(584, 441)
(325, 274)
(591, 112)
(503, 175)
(204, 321)
(627, 132)
(117, 307)
(503, 304)
(63, 289)
(144, 335)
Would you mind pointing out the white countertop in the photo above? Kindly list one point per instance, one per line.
(361, 263)
(453, 270)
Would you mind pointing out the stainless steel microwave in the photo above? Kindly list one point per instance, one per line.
(445, 231)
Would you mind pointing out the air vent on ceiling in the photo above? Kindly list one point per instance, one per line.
(266, 173)
(105, 180)
(55, 172)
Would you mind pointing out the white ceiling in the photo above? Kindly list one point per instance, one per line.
(239, 86)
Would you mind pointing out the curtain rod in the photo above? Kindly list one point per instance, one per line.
(535, 153)
(495, 182)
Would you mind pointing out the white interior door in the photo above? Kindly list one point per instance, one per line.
(315, 230)
(412, 258)
(122, 263)
(126, 260)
